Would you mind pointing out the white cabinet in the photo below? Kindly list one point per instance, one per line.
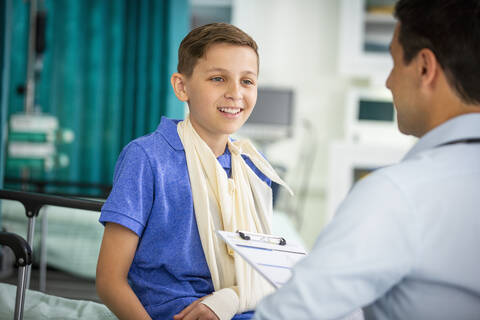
(366, 29)
(350, 162)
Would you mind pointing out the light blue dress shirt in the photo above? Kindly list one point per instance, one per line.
(404, 244)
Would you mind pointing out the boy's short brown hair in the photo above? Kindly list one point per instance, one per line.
(196, 43)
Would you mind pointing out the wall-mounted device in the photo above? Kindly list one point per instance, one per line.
(272, 119)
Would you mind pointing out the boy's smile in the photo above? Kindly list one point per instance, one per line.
(221, 92)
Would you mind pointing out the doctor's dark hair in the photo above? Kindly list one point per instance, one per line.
(451, 29)
(196, 43)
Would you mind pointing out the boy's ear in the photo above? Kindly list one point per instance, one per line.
(179, 87)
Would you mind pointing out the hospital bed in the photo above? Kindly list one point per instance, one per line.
(18, 303)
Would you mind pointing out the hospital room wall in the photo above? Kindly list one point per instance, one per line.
(298, 43)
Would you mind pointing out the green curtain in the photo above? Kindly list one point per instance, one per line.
(106, 75)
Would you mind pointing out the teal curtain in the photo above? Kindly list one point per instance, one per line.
(106, 75)
(5, 24)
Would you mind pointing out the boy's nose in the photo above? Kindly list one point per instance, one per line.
(233, 92)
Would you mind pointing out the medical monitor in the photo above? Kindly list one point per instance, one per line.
(272, 117)
(371, 118)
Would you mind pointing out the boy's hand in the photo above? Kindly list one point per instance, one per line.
(196, 311)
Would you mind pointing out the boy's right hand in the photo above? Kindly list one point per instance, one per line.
(196, 311)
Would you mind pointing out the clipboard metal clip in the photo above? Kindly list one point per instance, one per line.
(262, 237)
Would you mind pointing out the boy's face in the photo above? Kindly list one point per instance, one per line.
(222, 90)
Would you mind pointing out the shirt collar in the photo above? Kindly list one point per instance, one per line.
(462, 127)
(168, 129)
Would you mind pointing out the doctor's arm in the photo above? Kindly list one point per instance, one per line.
(116, 255)
(367, 248)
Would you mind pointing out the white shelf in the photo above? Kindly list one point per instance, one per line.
(380, 18)
(364, 40)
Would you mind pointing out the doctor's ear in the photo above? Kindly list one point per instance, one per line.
(428, 66)
(179, 86)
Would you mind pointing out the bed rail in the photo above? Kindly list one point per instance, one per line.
(23, 258)
(32, 203)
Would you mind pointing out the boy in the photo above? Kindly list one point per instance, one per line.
(160, 257)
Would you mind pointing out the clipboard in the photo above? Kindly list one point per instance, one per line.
(270, 255)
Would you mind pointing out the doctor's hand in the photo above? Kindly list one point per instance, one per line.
(196, 311)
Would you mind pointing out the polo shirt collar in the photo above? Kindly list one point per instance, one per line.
(168, 129)
(462, 127)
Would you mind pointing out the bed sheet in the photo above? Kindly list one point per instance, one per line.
(40, 306)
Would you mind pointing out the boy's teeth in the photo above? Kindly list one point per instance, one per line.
(230, 110)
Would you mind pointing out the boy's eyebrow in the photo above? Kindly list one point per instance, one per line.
(215, 69)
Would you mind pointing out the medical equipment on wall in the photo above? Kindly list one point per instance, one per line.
(32, 141)
(33, 136)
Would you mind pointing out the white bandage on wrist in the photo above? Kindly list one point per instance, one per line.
(223, 302)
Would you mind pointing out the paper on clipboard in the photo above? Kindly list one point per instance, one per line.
(272, 260)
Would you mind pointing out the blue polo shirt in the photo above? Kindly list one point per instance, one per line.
(152, 196)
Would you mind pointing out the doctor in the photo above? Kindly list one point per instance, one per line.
(404, 243)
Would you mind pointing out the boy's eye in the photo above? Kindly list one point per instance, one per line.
(248, 82)
(217, 79)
